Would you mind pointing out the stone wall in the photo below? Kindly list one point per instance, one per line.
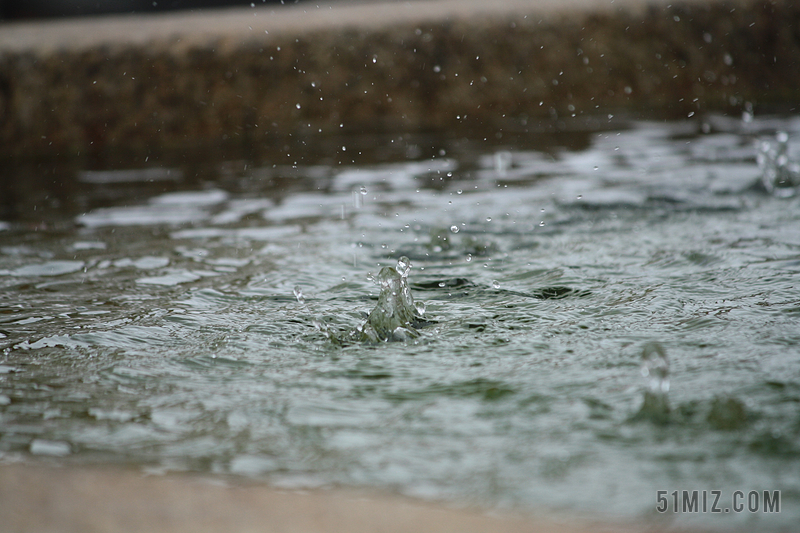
(514, 69)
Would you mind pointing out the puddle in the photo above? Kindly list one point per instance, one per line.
(187, 319)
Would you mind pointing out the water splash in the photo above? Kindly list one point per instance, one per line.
(779, 175)
(298, 293)
(502, 162)
(655, 370)
(396, 316)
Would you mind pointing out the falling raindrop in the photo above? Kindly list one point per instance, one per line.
(454, 228)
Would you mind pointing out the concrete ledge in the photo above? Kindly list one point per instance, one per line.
(250, 75)
(87, 500)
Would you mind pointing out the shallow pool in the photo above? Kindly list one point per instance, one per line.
(179, 316)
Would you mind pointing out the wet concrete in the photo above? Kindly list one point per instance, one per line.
(66, 500)
(251, 76)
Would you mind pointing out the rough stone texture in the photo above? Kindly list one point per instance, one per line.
(67, 500)
(371, 71)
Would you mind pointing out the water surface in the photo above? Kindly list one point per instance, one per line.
(173, 314)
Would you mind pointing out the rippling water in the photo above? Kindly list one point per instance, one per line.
(177, 318)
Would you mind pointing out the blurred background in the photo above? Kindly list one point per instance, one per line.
(26, 9)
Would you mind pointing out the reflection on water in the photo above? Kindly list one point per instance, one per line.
(187, 319)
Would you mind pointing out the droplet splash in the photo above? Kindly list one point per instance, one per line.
(502, 162)
(779, 175)
(396, 316)
(655, 369)
(298, 293)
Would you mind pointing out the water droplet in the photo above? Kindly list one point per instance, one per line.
(297, 106)
(488, 219)
(454, 228)
(363, 191)
(420, 307)
(459, 191)
(298, 293)
(403, 266)
(495, 284)
(469, 258)
(442, 284)
(541, 224)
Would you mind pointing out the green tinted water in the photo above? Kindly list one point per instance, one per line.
(189, 329)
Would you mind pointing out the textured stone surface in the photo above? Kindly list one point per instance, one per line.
(202, 79)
